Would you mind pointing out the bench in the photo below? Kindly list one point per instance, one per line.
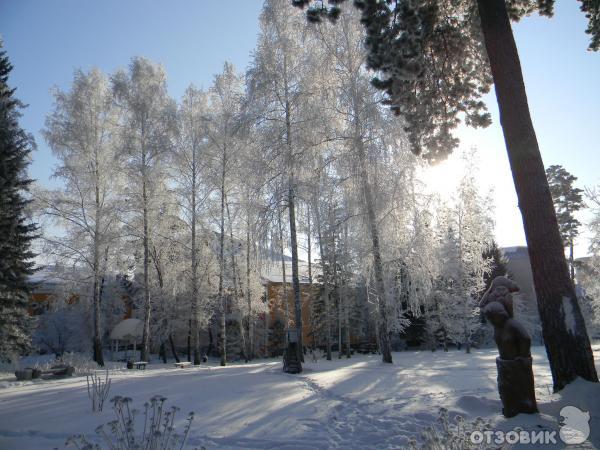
(140, 365)
(58, 371)
(183, 364)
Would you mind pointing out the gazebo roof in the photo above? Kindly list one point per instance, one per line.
(127, 330)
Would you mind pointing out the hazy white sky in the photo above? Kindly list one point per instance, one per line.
(47, 40)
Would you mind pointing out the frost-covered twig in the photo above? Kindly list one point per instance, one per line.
(98, 390)
(451, 436)
(158, 428)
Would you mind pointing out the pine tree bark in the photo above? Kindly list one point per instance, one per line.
(563, 328)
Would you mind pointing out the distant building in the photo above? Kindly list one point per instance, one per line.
(278, 292)
(519, 270)
(45, 288)
(519, 267)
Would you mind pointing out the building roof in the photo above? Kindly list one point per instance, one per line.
(128, 330)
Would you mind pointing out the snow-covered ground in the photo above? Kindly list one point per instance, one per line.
(347, 403)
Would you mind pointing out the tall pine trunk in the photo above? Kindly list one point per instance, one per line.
(563, 328)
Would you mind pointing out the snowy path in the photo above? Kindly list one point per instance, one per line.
(350, 404)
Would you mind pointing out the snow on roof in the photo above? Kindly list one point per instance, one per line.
(272, 272)
(127, 330)
(288, 277)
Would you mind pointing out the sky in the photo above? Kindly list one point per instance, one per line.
(48, 40)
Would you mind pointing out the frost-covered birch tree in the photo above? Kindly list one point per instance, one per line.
(193, 191)
(82, 132)
(279, 78)
(358, 114)
(146, 125)
(225, 125)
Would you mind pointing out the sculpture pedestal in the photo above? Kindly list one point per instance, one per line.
(515, 385)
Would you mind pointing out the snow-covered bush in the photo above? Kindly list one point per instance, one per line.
(157, 430)
(451, 434)
(82, 363)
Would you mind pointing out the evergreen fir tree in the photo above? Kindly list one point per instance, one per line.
(498, 264)
(567, 201)
(16, 231)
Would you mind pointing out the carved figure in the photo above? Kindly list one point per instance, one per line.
(515, 374)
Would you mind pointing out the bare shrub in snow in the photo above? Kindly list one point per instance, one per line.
(158, 430)
(452, 434)
(82, 363)
(98, 390)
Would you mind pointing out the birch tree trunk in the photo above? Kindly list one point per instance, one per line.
(286, 303)
(145, 350)
(383, 328)
(336, 288)
(345, 290)
(250, 350)
(326, 288)
(222, 264)
(236, 285)
(310, 279)
(98, 356)
(295, 277)
(195, 300)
